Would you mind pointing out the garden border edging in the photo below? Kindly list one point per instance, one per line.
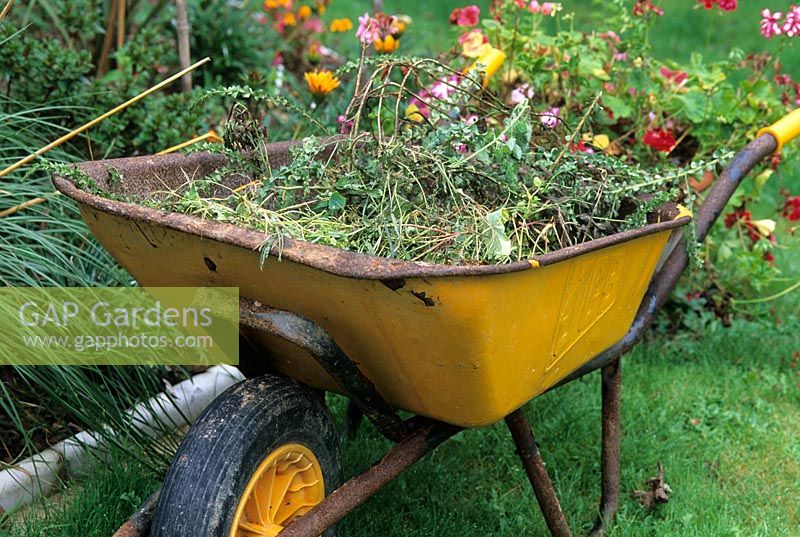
(179, 405)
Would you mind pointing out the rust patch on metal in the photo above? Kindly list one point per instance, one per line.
(394, 284)
(138, 525)
(210, 264)
(425, 299)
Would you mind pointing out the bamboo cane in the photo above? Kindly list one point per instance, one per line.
(102, 117)
(183, 30)
(121, 23)
(24, 205)
(6, 9)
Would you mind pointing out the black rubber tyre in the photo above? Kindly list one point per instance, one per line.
(226, 445)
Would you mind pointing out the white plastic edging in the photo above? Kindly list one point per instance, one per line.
(176, 407)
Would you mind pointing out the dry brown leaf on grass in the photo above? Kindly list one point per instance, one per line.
(658, 491)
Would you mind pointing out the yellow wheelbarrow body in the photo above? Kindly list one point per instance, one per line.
(466, 345)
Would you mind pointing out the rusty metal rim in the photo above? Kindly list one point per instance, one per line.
(321, 257)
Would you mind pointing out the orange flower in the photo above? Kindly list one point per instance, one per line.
(321, 83)
(321, 8)
(341, 25)
(387, 45)
(275, 4)
(304, 12)
(289, 19)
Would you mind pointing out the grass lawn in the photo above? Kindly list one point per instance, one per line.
(719, 408)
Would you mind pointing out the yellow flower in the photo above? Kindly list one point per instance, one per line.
(321, 8)
(289, 19)
(304, 12)
(321, 83)
(386, 45)
(600, 141)
(341, 25)
(764, 227)
(413, 114)
(474, 45)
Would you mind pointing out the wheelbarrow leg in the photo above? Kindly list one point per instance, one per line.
(611, 376)
(528, 452)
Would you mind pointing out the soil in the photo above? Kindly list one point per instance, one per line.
(46, 422)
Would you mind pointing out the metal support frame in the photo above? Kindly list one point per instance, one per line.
(543, 488)
(427, 437)
(611, 386)
(312, 338)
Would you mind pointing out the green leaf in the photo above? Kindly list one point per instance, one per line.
(618, 106)
(694, 105)
(495, 237)
(336, 202)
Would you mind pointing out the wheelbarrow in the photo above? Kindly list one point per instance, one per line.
(456, 346)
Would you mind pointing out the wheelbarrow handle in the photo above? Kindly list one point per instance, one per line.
(766, 143)
(785, 129)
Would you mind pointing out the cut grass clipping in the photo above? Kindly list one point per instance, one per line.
(457, 178)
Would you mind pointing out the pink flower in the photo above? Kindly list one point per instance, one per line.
(522, 4)
(792, 25)
(521, 93)
(550, 117)
(465, 16)
(728, 5)
(770, 23)
(313, 25)
(368, 30)
(461, 148)
(549, 8)
(443, 88)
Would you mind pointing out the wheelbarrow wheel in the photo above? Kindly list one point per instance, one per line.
(263, 453)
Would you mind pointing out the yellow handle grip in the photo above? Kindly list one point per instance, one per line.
(785, 129)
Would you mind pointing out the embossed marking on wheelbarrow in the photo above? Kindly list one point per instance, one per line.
(462, 344)
(590, 292)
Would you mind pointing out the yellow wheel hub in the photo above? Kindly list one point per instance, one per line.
(286, 485)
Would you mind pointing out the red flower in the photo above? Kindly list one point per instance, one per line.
(679, 77)
(724, 5)
(769, 258)
(580, 146)
(732, 218)
(791, 209)
(659, 139)
(466, 16)
(643, 6)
